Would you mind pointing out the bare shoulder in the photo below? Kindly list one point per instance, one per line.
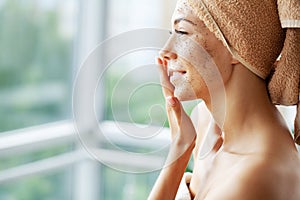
(263, 179)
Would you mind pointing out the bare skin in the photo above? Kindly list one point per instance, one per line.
(255, 157)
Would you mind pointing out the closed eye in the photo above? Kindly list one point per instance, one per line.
(181, 32)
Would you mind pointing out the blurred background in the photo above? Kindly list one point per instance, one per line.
(42, 46)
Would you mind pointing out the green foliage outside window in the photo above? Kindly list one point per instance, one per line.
(35, 63)
(35, 88)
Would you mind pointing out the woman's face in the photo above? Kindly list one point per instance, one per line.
(197, 60)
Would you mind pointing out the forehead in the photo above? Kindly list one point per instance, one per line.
(184, 10)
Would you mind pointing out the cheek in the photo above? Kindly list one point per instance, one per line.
(191, 87)
(206, 61)
(207, 77)
(198, 84)
(219, 60)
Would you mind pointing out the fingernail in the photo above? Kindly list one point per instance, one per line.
(158, 61)
(165, 63)
(171, 101)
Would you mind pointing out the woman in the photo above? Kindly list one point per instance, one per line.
(223, 52)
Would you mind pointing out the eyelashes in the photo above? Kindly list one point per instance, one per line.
(179, 32)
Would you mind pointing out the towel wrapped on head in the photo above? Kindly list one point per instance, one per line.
(284, 82)
(256, 33)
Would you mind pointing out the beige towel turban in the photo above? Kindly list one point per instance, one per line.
(256, 32)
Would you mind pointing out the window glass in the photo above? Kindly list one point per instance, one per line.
(8, 161)
(36, 50)
(55, 185)
(133, 93)
(132, 88)
(124, 186)
(36, 58)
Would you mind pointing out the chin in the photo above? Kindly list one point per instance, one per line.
(185, 95)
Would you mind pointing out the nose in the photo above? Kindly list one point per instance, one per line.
(167, 52)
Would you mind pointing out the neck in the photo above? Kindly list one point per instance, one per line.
(250, 117)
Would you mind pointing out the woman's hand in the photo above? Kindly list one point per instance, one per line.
(183, 142)
(183, 133)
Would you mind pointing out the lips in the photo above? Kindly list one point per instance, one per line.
(172, 72)
(176, 75)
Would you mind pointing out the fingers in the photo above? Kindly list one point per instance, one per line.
(167, 87)
(171, 106)
(180, 123)
(174, 108)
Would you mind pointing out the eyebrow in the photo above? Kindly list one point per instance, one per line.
(183, 19)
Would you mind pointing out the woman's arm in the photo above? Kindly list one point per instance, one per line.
(179, 155)
(169, 179)
(183, 136)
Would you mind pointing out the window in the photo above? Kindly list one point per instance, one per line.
(36, 64)
(43, 44)
(36, 58)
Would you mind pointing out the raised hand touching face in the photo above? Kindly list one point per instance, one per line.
(182, 129)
